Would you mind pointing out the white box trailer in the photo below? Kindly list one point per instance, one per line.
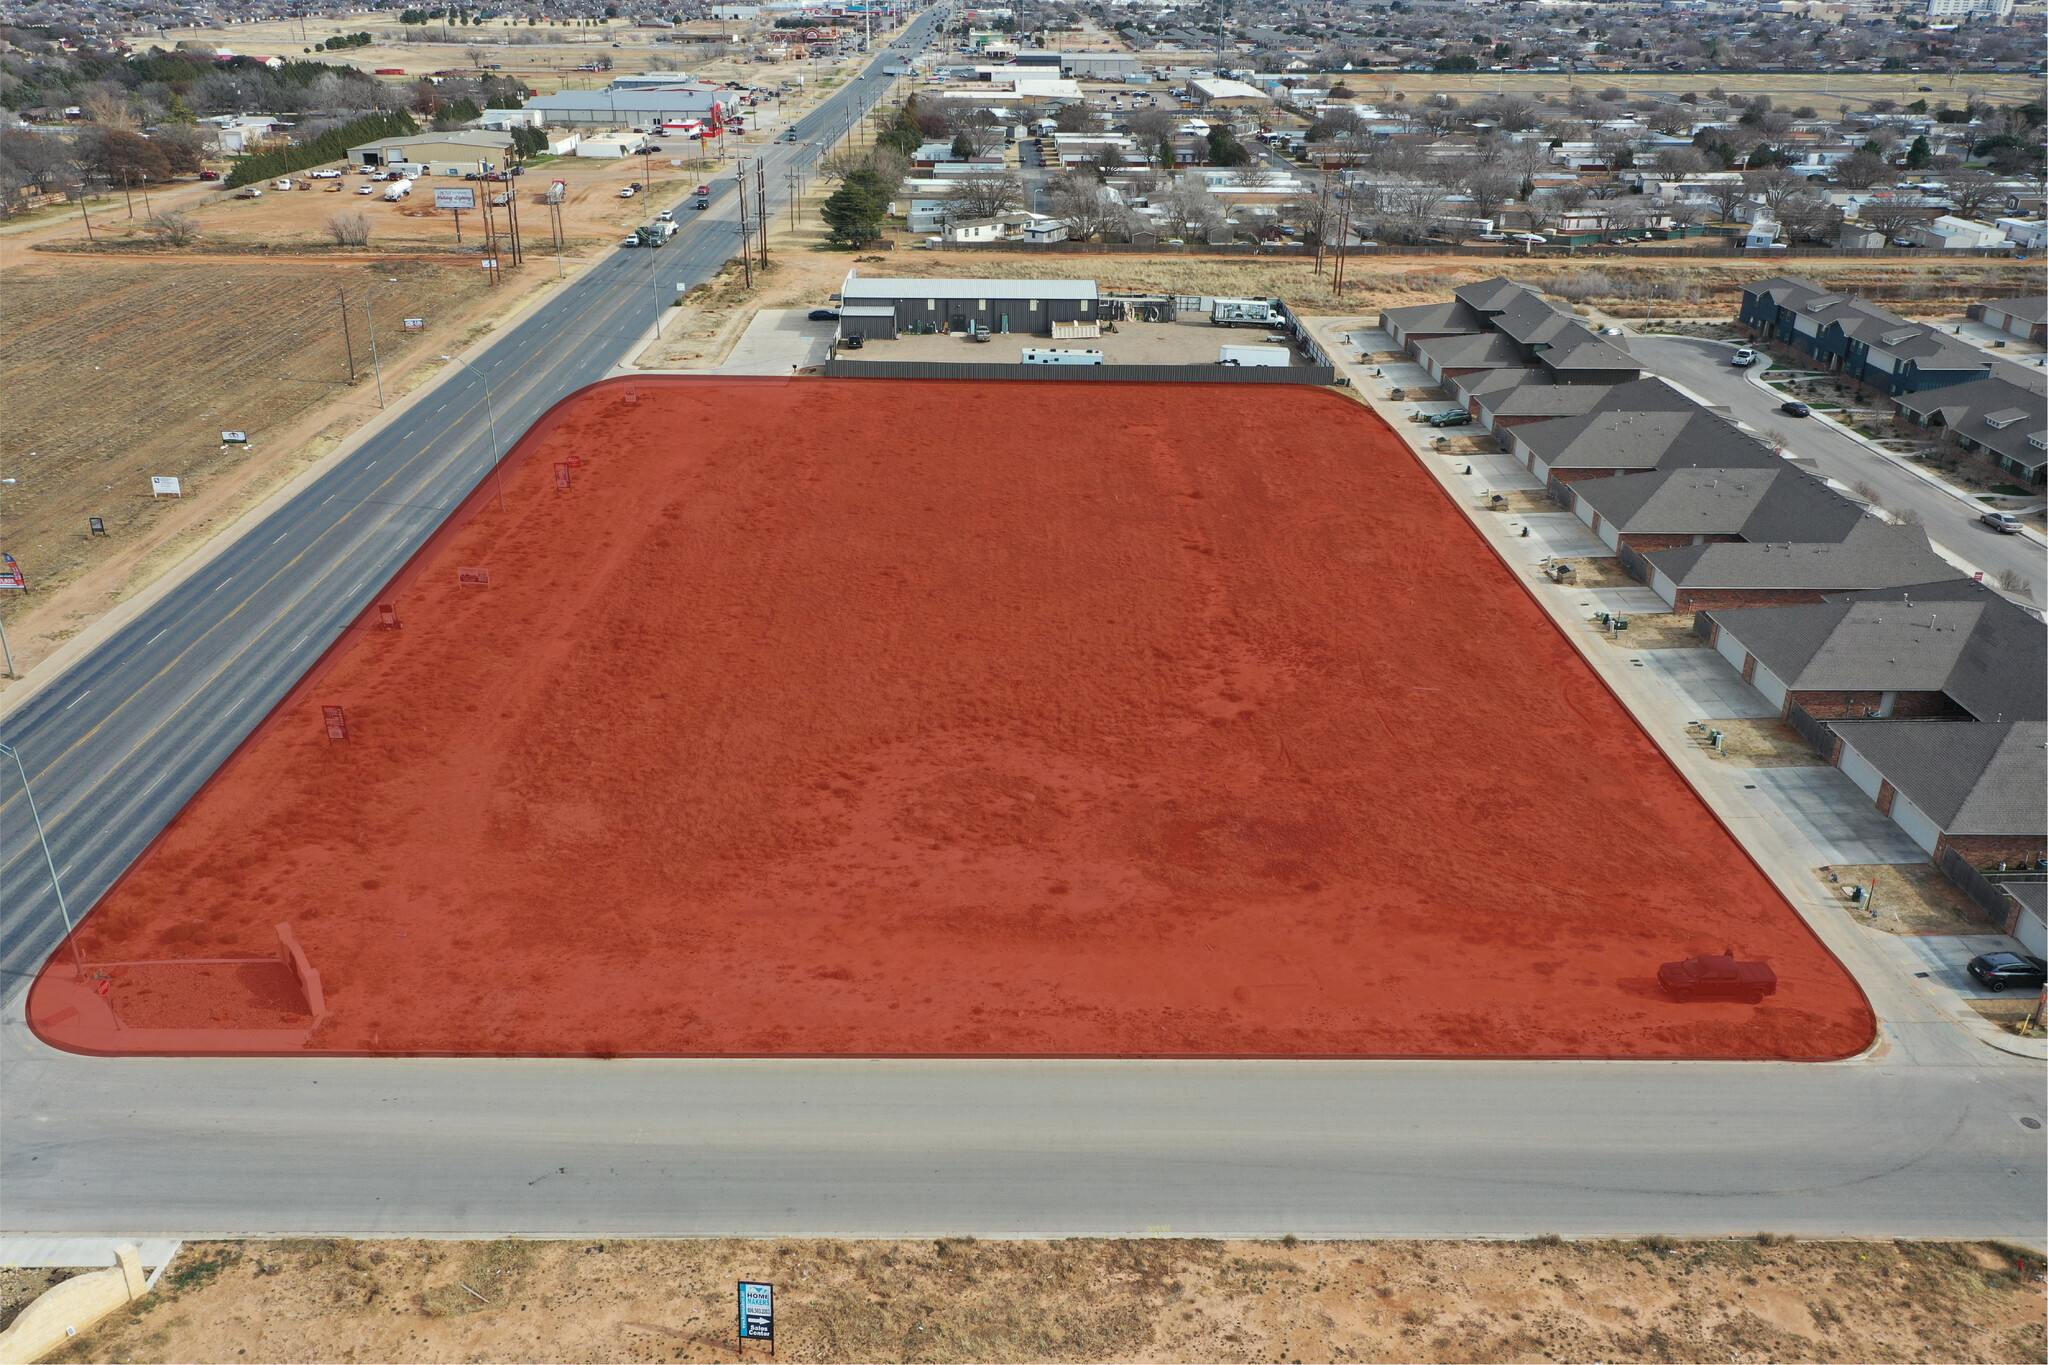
(1057, 356)
(1245, 312)
(1275, 356)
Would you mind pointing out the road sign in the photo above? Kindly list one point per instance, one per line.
(336, 722)
(757, 1311)
(473, 578)
(161, 487)
(11, 575)
(455, 197)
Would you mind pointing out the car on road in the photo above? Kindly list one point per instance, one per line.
(634, 240)
(665, 216)
(1743, 358)
(824, 315)
(1996, 971)
(701, 189)
(1718, 976)
(2005, 523)
(1792, 407)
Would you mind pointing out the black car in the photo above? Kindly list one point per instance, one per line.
(1795, 408)
(1996, 971)
(824, 315)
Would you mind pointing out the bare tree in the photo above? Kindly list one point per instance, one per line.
(1086, 210)
(349, 229)
(1970, 191)
(1891, 216)
(2016, 583)
(1190, 210)
(984, 194)
(175, 228)
(1489, 190)
(1861, 170)
(1254, 175)
(1727, 196)
(1681, 161)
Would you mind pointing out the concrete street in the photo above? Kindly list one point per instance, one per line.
(1951, 523)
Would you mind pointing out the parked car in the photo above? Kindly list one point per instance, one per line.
(366, 189)
(209, 175)
(2005, 523)
(1719, 977)
(1456, 417)
(1996, 971)
(325, 175)
(824, 315)
(1743, 358)
(1493, 236)
(628, 192)
(1792, 407)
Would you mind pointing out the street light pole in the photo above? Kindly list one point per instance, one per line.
(55, 885)
(492, 422)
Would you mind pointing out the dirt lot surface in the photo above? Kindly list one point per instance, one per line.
(1764, 743)
(2020, 1017)
(1081, 1300)
(20, 1286)
(1655, 630)
(826, 731)
(143, 382)
(1911, 898)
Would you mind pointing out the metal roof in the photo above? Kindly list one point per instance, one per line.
(880, 287)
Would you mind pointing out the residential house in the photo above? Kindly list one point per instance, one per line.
(1613, 441)
(1949, 233)
(1662, 509)
(1975, 789)
(2003, 417)
(1868, 344)
(2026, 316)
(1874, 554)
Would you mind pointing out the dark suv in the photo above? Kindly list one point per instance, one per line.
(1996, 971)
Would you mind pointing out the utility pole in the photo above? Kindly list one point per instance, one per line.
(761, 203)
(348, 344)
(375, 365)
(746, 241)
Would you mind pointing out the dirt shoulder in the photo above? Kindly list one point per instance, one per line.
(1089, 1300)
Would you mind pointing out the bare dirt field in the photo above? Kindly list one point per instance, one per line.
(1909, 898)
(1762, 1299)
(119, 369)
(843, 718)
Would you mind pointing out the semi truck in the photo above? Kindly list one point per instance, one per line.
(656, 233)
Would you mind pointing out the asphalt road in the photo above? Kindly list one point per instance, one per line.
(1924, 1139)
(1040, 1149)
(1703, 367)
(118, 745)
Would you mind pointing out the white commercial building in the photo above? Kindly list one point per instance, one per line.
(1969, 9)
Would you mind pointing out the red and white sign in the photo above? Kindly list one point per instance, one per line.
(336, 722)
(10, 573)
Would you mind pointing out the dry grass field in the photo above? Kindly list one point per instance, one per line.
(1825, 93)
(1089, 1300)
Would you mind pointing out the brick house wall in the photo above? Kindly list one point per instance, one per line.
(1989, 850)
(1646, 543)
(1715, 599)
(1859, 705)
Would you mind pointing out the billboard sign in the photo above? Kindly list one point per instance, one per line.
(757, 1311)
(415, 324)
(460, 197)
(161, 487)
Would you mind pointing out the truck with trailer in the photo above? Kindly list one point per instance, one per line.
(1246, 313)
(1054, 355)
(656, 234)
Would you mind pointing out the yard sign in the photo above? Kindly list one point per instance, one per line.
(757, 1312)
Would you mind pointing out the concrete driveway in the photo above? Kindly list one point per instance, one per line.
(1707, 687)
(1824, 810)
(779, 340)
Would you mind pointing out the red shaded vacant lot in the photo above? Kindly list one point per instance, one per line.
(957, 718)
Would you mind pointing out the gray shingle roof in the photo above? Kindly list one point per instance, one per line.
(1966, 776)
(1449, 318)
(2027, 307)
(1483, 350)
(1492, 295)
(1620, 439)
(1968, 410)
(1875, 554)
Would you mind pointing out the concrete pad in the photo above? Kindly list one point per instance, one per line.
(1704, 685)
(1626, 602)
(779, 340)
(1498, 473)
(1560, 535)
(1942, 957)
(78, 1253)
(1823, 810)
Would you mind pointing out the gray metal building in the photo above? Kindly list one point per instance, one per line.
(881, 308)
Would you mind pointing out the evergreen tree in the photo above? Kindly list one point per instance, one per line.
(1919, 154)
(852, 213)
